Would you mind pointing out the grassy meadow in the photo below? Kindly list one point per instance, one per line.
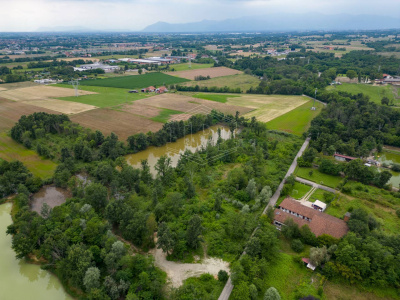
(11, 150)
(105, 97)
(376, 93)
(185, 66)
(297, 120)
(318, 177)
(135, 81)
(242, 81)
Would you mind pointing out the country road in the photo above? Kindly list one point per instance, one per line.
(226, 292)
(313, 184)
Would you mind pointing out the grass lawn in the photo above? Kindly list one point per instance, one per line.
(300, 190)
(165, 115)
(11, 150)
(297, 120)
(318, 177)
(242, 81)
(135, 81)
(290, 278)
(376, 93)
(185, 66)
(318, 195)
(105, 97)
(222, 98)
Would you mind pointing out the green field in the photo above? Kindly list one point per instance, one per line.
(165, 115)
(185, 67)
(299, 190)
(11, 150)
(135, 81)
(106, 97)
(318, 177)
(376, 93)
(242, 81)
(222, 98)
(297, 120)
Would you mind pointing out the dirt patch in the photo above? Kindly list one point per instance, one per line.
(65, 107)
(180, 117)
(141, 109)
(123, 124)
(11, 112)
(346, 80)
(212, 72)
(40, 92)
(191, 105)
(178, 272)
(2, 89)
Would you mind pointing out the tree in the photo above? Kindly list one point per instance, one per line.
(265, 194)
(194, 232)
(385, 101)
(351, 74)
(253, 292)
(96, 196)
(223, 276)
(319, 256)
(272, 294)
(45, 210)
(140, 71)
(91, 279)
(251, 188)
(297, 245)
(77, 262)
(165, 240)
(241, 292)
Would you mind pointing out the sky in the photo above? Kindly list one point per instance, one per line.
(30, 15)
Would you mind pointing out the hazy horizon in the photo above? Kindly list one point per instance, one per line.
(134, 15)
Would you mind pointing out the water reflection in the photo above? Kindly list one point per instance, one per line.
(192, 142)
(19, 279)
(51, 195)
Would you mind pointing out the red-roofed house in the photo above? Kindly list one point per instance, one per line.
(319, 222)
(150, 89)
(161, 90)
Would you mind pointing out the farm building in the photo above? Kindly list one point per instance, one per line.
(161, 90)
(319, 222)
(106, 68)
(149, 89)
(345, 158)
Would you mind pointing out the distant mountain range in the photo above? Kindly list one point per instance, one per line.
(280, 22)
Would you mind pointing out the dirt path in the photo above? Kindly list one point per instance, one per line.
(177, 272)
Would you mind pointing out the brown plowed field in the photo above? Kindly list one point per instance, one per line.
(212, 72)
(11, 112)
(121, 123)
(141, 109)
(191, 105)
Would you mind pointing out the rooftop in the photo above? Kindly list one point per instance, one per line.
(320, 222)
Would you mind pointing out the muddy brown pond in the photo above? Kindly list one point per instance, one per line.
(51, 195)
(192, 142)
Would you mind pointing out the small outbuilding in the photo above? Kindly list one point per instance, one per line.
(345, 158)
(319, 205)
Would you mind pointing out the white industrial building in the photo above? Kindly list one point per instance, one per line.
(106, 68)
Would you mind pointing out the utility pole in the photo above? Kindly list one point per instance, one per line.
(315, 96)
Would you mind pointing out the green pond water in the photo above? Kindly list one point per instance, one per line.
(192, 142)
(390, 158)
(20, 280)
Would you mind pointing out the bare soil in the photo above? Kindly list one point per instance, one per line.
(51, 195)
(212, 72)
(141, 109)
(11, 112)
(123, 124)
(178, 272)
(191, 105)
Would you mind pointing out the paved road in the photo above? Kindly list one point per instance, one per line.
(226, 292)
(318, 186)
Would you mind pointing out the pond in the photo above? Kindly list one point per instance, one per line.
(192, 142)
(51, 195)
(19, 279)
(389, 157)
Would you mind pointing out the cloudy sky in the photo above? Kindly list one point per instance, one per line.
(29, 15)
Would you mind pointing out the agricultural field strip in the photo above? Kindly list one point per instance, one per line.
(212, 72)
(42, 96)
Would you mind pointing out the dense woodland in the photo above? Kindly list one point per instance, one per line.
(191, 204)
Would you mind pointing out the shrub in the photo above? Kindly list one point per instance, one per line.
(297, 245)
(223, 276)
